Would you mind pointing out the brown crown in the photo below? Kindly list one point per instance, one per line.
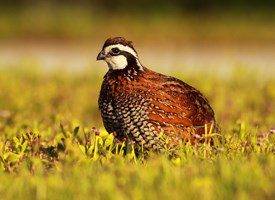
(118, 40)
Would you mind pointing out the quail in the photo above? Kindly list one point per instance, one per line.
(148, 107)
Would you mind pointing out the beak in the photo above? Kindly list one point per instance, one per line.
(100, 56)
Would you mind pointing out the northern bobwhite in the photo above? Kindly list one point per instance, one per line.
(140, 104)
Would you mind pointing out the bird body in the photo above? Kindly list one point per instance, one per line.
(145, 106)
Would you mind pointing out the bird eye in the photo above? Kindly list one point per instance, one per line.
(115, 50)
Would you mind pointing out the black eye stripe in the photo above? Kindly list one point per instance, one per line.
(114, 54)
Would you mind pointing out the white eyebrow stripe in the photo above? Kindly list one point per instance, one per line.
(121, 47)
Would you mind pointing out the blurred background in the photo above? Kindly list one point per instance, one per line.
(169, 35)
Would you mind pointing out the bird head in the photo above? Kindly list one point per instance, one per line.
(119, 53)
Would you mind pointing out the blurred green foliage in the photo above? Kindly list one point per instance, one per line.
(181, 20)
(140, 5)
(50, 150)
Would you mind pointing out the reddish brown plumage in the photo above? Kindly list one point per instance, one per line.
(139, 104)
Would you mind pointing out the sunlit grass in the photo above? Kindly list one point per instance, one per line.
(53, 144)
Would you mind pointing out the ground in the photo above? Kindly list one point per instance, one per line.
(53, 144)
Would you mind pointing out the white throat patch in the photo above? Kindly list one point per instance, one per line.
(119, 61)
(116, 62)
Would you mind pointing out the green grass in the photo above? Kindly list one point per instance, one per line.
(50, 150)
